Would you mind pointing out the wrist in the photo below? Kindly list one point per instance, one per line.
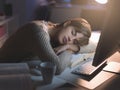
(67, 46)
(74, 48)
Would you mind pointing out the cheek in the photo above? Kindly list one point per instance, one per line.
(59, 37)
(80, 35)
(70, 42)
(61, 33)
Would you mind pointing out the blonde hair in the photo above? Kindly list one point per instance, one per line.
(82, 26)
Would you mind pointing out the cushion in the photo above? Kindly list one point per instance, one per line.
(91, 47)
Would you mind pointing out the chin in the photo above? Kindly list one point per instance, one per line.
(60, 42)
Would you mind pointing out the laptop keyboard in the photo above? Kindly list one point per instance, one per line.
(85, 67)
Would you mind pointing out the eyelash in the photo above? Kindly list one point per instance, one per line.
(74, 32)
(75, 41)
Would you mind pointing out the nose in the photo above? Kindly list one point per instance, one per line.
(71, 38)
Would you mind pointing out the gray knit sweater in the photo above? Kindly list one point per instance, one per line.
(29, 41)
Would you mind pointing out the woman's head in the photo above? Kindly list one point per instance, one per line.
(74, 31)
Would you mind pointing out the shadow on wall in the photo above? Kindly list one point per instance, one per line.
(95, 18)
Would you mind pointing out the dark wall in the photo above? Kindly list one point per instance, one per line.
(79, 2)
(30, 7)
(2, 2)
(95, 17)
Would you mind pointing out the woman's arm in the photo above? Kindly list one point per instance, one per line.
(44, 50)
(69, 47)
(74, 48)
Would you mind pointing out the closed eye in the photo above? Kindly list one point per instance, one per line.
(75, 41)
(73, 32)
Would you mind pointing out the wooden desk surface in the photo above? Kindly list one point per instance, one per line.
(102, 81)
(115, 57)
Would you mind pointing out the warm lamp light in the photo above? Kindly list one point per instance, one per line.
(101, 1)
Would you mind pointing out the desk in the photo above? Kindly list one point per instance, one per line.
(68, 81)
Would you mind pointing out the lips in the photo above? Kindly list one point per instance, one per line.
(64, 40)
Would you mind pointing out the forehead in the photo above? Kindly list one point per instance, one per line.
(80, 35)
(70, 26)
(77, 28)
(73, 27)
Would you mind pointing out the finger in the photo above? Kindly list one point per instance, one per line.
(59, 51)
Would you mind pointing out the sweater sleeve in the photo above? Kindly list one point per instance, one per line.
(44, 50)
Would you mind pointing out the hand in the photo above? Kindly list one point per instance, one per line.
(60, 49)
(69, 47)
(74, 48)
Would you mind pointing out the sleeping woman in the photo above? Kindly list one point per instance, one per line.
(47, 41)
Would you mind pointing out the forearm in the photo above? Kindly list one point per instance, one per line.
(46, 53)
(65, 57)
